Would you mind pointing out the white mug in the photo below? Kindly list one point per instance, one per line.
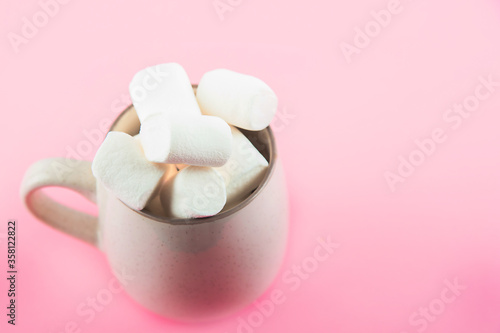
(184, 269)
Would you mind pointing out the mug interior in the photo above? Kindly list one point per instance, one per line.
(263, 140)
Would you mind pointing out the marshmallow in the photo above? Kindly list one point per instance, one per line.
(121, 167)
(241, 100)
(244, 170)
(194, 192)
(194, 140)
(163, 88)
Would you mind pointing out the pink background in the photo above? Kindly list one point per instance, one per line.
(341, 127)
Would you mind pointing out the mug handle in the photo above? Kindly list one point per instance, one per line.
(67, 173)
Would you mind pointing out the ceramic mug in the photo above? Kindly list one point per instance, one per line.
(184, 269)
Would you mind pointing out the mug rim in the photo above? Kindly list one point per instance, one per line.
(227, 213)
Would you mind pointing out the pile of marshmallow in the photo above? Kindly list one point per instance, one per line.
(189, 159)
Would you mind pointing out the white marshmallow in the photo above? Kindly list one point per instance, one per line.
(193, 140)
(241, 100)
(121, 167)
(244, 170)
(163, 88)
(194, 192)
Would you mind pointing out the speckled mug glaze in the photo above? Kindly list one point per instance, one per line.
(184, 269)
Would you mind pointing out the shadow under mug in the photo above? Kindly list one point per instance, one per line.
(184, 269)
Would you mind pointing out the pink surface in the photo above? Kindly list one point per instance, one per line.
(343, 124)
